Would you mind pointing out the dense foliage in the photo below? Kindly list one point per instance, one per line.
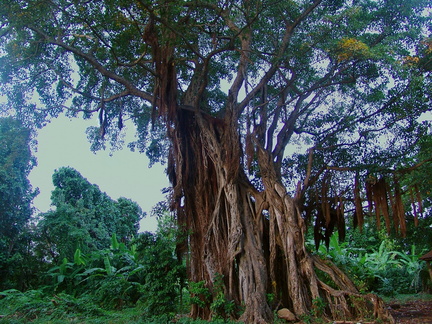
(385, 269)
(142, 274)
(16, 195)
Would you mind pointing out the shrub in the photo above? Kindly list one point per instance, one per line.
(383, 270)
(34, 304)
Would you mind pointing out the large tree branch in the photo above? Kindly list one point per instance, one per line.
(245, 36)
(132, 89)
(289, 30)
(337, 128)
(400, 171)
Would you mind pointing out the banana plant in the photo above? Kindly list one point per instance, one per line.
(66, 275)
(381, 259)
(412, 265)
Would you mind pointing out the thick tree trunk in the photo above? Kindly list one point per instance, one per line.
(215, 204)
(253, 240)
(296, 280)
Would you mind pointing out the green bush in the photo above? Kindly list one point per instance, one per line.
(164, 275)
(221, 307)
(34, 304)
(383, 270)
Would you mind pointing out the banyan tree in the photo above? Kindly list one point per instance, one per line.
(259, 108)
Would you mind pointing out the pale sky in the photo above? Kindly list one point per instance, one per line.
(63, 142)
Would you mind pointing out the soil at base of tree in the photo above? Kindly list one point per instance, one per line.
(412, 312)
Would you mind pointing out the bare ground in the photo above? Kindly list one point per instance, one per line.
(412, 312)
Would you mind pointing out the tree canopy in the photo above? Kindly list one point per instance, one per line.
(84, 217)
(16, 162)
(16, 193)
(227, 90)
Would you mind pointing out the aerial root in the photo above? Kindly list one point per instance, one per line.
(345, 303)
(345, 306)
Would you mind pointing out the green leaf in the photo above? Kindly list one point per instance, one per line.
(60, 278)
(79, 258)
(108, 267)
(114, 243)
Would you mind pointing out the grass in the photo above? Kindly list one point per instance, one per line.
(404, 298)
(124, 316)
(33, 307)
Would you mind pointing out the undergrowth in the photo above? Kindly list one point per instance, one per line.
(404, 298)
(34, 306)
